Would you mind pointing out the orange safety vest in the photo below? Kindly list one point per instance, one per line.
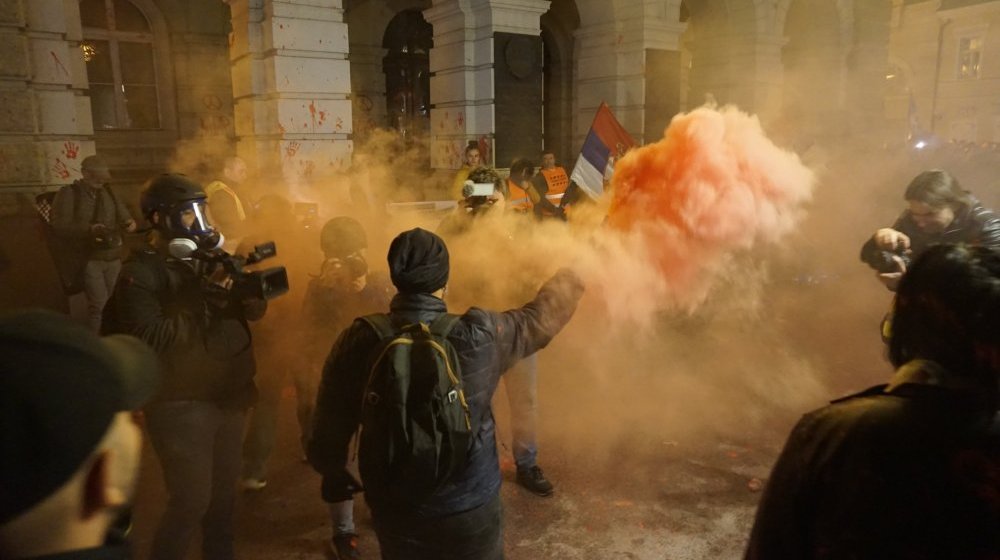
(557, 180)
(519, 200)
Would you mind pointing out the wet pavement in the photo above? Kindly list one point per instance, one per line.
(669, 500)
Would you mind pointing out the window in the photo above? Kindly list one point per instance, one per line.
(970, 49)
(121, 66)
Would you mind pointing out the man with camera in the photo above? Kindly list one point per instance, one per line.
(484, 199)
(938, 210)
(88, 220)
(191, 303)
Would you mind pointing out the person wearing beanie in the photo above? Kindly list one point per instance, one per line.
(68, 465)
(462, 517)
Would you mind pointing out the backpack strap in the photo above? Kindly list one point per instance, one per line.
(443, 325)
(382, 325)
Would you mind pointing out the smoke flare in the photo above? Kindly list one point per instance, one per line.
(715, 183)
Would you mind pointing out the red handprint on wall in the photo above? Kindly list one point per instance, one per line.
(60, 169)
(70, 149)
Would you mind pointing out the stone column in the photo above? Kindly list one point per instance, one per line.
(613, 65)
(736, 63)
(45, 123)
(367, 89)
(867, 63)
(291, 87)
(463, 64)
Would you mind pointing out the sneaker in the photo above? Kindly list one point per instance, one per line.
(345, 547)
(253, 484)
(534, 481)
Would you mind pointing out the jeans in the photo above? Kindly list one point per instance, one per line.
(99, 279)
(521, 383)
(476, 534)
(198, 445)
(263, 427)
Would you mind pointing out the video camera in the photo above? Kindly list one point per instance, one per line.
(478, 195)
(261, 284)
(884, 262)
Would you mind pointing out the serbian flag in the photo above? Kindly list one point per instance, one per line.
(606, 142)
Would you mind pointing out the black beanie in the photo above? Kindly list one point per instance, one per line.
(418, 262)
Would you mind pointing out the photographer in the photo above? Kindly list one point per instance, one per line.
(172, 297)
(88, 220)
(478, 200)
(521, 381)
(939, 211)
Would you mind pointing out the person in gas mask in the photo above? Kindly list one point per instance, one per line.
(176, 301)
(345, 288)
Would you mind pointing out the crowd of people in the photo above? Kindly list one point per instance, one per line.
(394, 389)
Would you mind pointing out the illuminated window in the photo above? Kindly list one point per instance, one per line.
(121, 65)
(970, 49)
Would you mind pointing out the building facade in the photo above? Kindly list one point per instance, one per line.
(945, 69)
(295, 86)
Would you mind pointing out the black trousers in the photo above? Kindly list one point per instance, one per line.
(476, 534)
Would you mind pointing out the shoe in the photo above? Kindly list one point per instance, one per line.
(534, 481)
(253, 484)
(345, 546)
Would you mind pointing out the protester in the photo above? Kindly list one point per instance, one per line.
(471, 159)
(179, 303)
(69, 448)
(551, 182)
(460, 516)
(907, 469)
(225, 202)
(277, 341)
(938, 210)
(88, 220)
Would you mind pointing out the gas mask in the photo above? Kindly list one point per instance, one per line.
(190, 229)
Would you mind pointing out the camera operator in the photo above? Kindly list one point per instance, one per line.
(173, 301)
(939, 211)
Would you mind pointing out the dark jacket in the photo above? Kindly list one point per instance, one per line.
(488, 343)
(326, 311)
(901, 471)
(205, 349)
(76, 207)
(974, 225)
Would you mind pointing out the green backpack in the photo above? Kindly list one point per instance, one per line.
(416, 428)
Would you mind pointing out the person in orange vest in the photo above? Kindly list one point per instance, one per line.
(522, 193)
(551, 183)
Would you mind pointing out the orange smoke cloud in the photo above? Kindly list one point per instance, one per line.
(715, 183)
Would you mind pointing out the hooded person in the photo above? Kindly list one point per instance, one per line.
(460, 518)
(68, 465)
(176, 301)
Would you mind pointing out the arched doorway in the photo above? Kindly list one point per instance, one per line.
(558, 26)
(408, 39)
